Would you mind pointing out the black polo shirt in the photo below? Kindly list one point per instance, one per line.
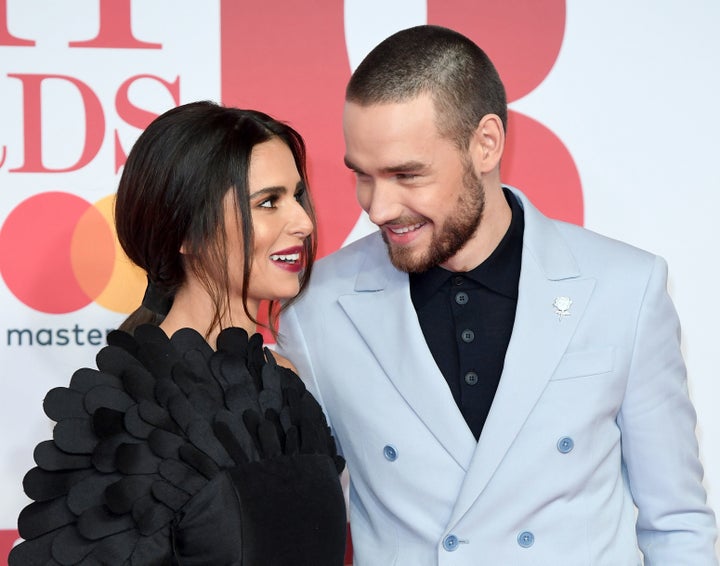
(467, 319)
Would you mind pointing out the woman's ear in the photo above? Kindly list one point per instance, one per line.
(487, 144)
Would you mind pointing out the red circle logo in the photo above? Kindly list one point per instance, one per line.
(59, 253)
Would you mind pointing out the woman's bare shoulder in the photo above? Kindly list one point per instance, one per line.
(283, 361)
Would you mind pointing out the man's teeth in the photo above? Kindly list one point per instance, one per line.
(290, 258)
(406, 229)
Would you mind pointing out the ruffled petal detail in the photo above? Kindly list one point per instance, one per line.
(139, 439)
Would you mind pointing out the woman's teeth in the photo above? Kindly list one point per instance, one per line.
(289, 258)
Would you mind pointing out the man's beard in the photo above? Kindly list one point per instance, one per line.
(455, 232)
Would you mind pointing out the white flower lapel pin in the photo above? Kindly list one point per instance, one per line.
(562, 306)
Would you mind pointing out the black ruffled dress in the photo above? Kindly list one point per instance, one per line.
(174, 454)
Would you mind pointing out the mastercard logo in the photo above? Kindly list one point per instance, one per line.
(59, 253)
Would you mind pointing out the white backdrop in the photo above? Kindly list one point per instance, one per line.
(633, 96)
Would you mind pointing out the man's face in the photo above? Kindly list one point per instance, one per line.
(416, 185)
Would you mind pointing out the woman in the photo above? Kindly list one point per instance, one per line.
(191, 444)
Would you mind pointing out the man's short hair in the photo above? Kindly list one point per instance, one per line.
(458, 75)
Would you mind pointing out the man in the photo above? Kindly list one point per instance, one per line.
(507, 389)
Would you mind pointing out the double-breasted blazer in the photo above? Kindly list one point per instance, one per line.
(588, 455)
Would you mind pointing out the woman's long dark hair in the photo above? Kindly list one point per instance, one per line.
(171, 196)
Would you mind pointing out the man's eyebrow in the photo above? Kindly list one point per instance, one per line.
(405, 167)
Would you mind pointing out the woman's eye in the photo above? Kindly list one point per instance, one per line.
(299, 195)
(267, 203)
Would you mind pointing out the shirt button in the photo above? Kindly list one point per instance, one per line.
(467, 336)
(565, 444)
(461, 298)
(450, 543)
(526, 539)
(471, 378)
(457, 280)
(390, 453)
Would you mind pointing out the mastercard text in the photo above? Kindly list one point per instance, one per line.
(75, 335)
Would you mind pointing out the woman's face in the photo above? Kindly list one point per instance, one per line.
(280, 225)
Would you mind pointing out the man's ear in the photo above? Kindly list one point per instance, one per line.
(487, 144)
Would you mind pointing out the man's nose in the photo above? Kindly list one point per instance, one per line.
(382, 203)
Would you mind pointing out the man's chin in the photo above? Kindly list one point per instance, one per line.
(406, 260)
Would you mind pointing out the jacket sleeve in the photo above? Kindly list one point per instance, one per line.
(292, 345)
(660, 451)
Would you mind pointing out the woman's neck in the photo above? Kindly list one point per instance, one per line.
(193, 308)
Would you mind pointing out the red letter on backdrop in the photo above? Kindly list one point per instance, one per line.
(115, 29)
(135, 116)
(6, 38)
(32, 127)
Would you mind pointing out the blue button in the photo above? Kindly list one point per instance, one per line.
(526, 539)
(450, 543)
(390, 453)
(467, 335)
(565, 444)
(461, 298)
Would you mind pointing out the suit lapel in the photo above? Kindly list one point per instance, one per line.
(397, 343)
(539, 339)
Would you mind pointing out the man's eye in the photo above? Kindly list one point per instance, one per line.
(405, 176)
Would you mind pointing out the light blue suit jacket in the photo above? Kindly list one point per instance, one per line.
(591, 417)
